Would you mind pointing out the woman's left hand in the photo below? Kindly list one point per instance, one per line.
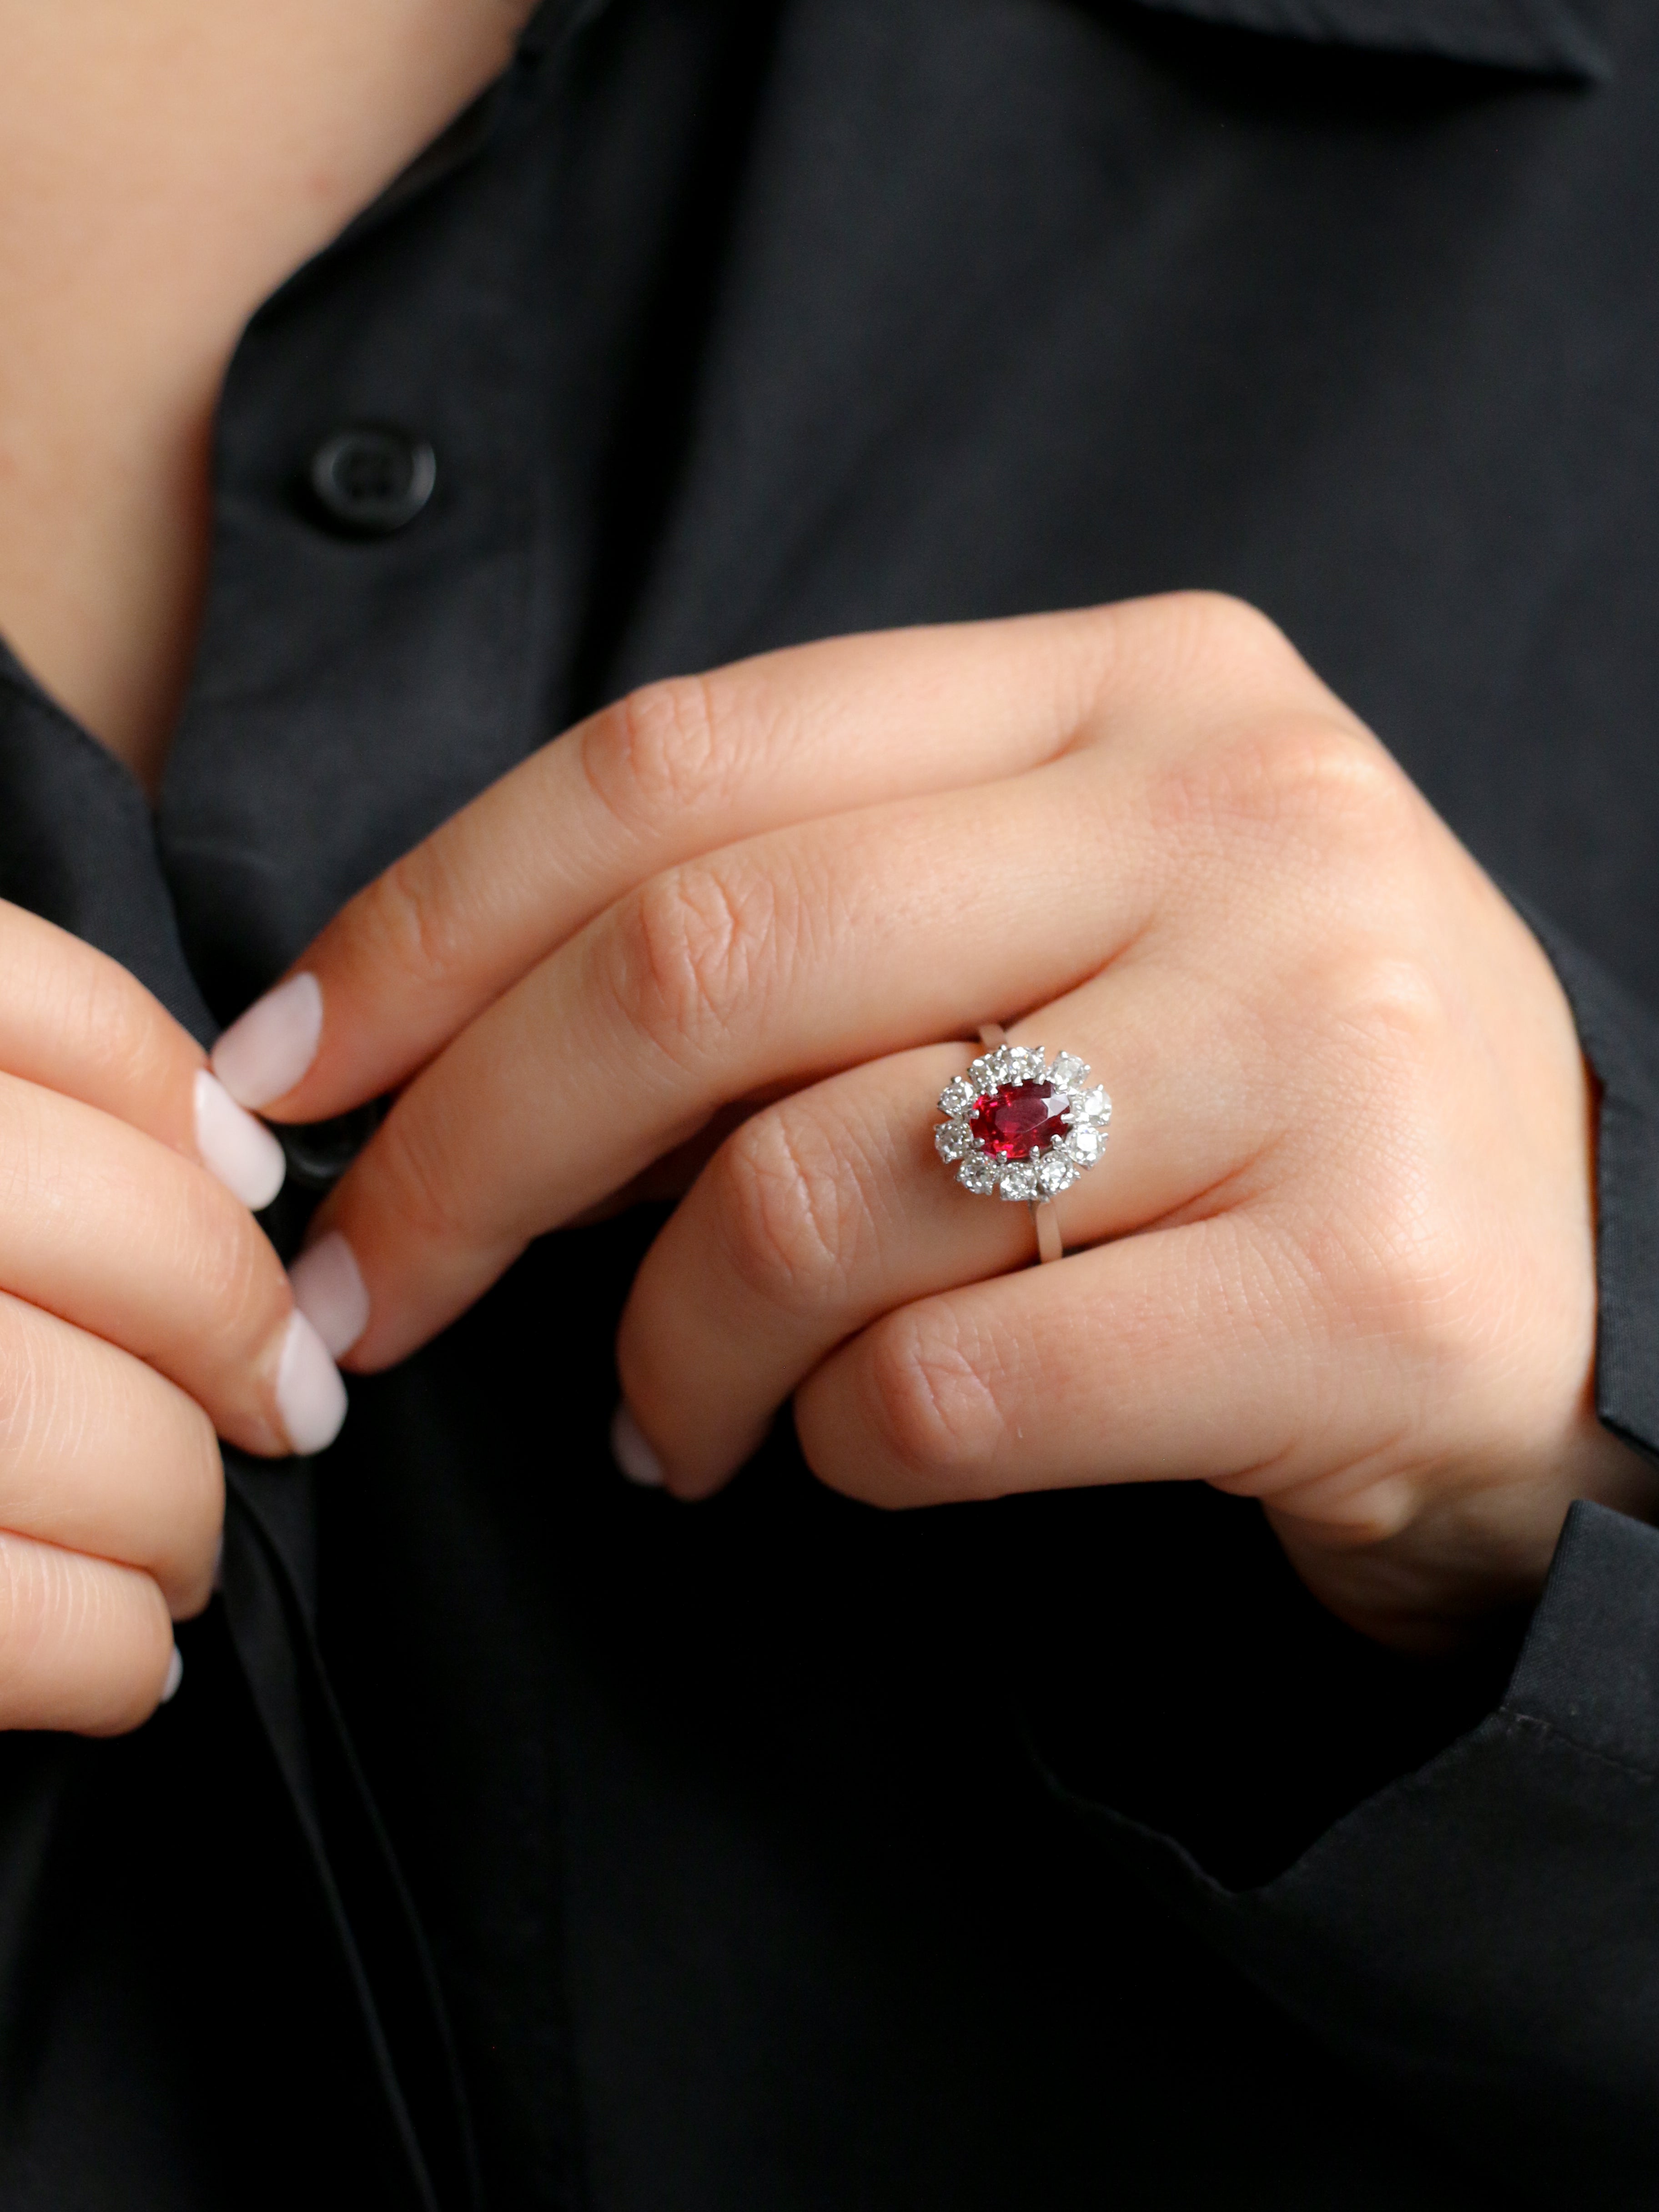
(1339, 1252)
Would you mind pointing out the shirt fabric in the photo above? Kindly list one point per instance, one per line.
(521, 1839)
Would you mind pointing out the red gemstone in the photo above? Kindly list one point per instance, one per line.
(1017, 1118)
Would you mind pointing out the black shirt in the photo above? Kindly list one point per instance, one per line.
(524, 1838)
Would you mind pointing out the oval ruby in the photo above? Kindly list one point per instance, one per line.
(1017, 1118)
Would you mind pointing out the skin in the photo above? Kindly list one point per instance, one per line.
(1339, 1252)
(1339, 1256)
(164, 164)
(142, 1312)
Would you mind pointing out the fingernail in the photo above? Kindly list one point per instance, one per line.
(241, 1152)
(328, 1289)
(265, 1051)
(631, 1452)
(175, 1676)
(311, 1398)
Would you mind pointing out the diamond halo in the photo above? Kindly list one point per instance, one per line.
(1020, 1126)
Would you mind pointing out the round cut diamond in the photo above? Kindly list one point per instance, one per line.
(1020, 1127)
(953, 1139)
(1054, 1173)
(1015, 1120)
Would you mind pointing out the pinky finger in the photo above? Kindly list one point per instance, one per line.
(85, 1644)
(1157, 1357)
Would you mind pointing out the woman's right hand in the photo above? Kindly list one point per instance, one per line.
(142, 1315)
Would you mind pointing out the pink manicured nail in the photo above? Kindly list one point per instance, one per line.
(175, 1676)
(328, 1289)
(265, 1051)
(311, 1398)
(631, 1452)
(241, 1152)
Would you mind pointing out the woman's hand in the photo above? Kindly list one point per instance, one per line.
(1339, 1255)
(140, 1308)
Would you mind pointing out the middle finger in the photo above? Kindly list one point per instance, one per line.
(770, 963)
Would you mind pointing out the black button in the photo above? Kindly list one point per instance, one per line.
(371, 479)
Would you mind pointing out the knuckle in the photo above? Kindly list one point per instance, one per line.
(1231, 625)
(935, 1404)
(1206, 633)
(410, 1174)
(414, 920)
(216, 1246)
(116, 1023)
(792, 1215)
(33, 1158)
(1429, 1301)
(1393, 1011)
(71, 1407)
(1304, 779)
(694, 950)
(35, 1405)
(1393, 1268)
(1301, 769)
(42, 1600)
(658, 753)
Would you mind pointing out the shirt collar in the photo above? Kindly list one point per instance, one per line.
(1546, 37)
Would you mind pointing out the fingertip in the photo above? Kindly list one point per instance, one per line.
(636, 1459)
(329, 1292)
(175, 1675)
(239, 1151)
(266, 1052)
(310, 1396)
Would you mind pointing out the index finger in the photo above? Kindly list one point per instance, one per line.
(680, 769)
(75, 1022)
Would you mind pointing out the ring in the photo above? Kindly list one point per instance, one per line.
(1023, 1126)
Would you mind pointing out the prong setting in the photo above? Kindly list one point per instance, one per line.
(1021, 1126)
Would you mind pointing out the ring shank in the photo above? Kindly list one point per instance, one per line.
(1048, 1231)
(1043, 1219)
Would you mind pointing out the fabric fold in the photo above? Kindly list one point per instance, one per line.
(1439, 1932)
(1551, 37)
(77, 845)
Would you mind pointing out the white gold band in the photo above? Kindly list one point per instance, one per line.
(994, 1037)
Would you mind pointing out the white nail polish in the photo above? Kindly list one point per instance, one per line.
(311, 1399)
(175, 1676)
(329, 1291)
(265, 1051)
(631, 1452)
(241, 1152)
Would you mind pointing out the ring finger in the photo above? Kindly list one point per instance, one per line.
(758, 967)
(832, 1208)
(100, 1455)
